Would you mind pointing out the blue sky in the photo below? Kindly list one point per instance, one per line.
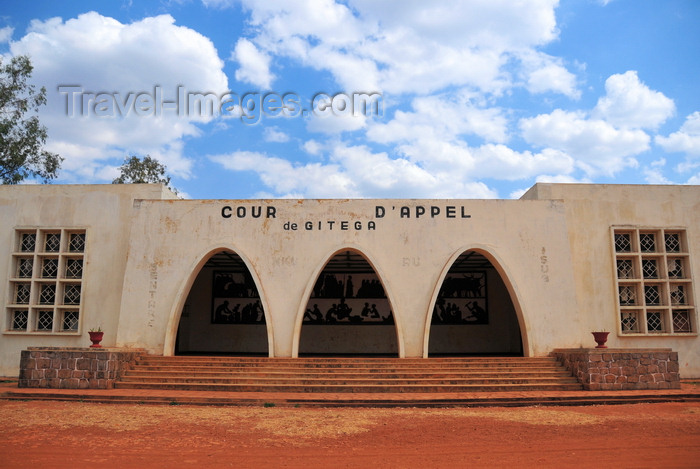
(478, 99)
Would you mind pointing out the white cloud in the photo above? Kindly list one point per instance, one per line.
(353, 171)
(421, 47)
(442, 118)
(254, 65)
(548, 74)
(6, 34)
(629, 103)
(312, 147)
(686, 140)
(597, 146)
(653, 173)
(273, 134)
(332, 124)
(100, 54)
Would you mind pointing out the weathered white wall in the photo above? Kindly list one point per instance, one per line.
(526, 240)
(591, 210)
(142, 257)
(105, 212)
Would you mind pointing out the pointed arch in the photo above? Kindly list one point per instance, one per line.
(307, 295)
(501, 268)
(194, 269)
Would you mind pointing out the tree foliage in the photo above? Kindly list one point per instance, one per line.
(22, 137)
(142, 171)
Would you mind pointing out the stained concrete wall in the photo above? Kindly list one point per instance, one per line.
(104, 211)
(552, 249)
(525, 240)
(591, 211)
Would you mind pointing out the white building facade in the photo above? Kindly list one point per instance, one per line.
(406, 278)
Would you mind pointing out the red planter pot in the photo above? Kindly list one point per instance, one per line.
(600, 339)
(96, 338)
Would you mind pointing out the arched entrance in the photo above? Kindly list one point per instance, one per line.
(474, 313)
(223, 312)
(348, 312)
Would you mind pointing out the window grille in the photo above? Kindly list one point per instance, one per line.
(681, 321)
(74, 268)
(654, 322)
(77, 242)
(70, 320)
(625, 268)
(629, 322)
(651, 295)
(25, 268)
(71, 295)
(673, 242)
(53, 242)
(45, 320)
(22, 293)
(649, 268)
(49, 268)
(20, 318)
(628, 295)
(50, 294)
(659, 298)
(623, 242)
(47, 295)
(28, 242)
(647, 242)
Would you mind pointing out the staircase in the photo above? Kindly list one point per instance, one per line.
(348, 375)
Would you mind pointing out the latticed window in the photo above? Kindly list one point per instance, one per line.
(628, 295)
(23, 293)
(647, 242)
(77, 242)
(681, 321)
(47, 296)
(659, 298)
(44, 320)
(630, 322)
(70, 320)
(74, 268)
(651, 295)
(20, 319)
(623, 242)
(673, 242)
(654, 321)
(675, 268)
(677, 295)
(625, 268)
(649, 268)
(28, 242)
(47, 282)
(49, 268)
(71, 295)
(53, 242)
(25, 267)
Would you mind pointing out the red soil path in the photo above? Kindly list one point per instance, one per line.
(74, 434)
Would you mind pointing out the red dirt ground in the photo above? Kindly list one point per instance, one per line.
(73, 434)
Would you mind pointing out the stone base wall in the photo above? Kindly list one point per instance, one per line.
(618, 369)
(74, 368)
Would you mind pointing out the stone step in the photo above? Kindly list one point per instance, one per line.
(367, 388)
(384, 374)
(348, 374)
(339, 361)
(370, 370)
(263, 381)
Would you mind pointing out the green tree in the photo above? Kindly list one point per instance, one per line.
(22, 137)
(144, 170)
